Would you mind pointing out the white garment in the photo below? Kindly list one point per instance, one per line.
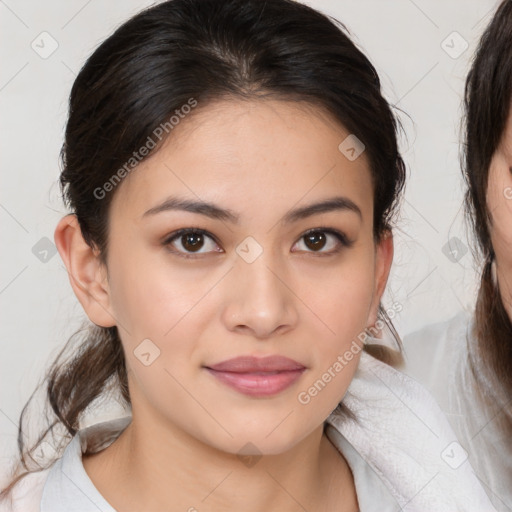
(395, 451)
(437, 356)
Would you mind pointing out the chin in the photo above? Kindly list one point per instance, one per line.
(260, 439)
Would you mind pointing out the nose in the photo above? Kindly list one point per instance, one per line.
(261, 299)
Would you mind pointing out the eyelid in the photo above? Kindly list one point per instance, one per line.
(339, 235)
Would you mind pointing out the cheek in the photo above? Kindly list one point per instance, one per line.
(342, 301)
(348, 292)
(152, 299)
(345, 308)
(501, 235)
(337, 344)
(499, 203)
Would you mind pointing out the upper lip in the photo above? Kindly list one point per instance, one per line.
(248, 364)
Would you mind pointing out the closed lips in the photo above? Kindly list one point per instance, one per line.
(251, 364)
(258, 377)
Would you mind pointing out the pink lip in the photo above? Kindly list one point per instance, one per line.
(254, 376)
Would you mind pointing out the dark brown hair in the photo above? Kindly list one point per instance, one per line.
(150, 67)
(488, 98)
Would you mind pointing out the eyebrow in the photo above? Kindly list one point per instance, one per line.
(338, 203)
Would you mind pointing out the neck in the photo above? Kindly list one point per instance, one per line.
(155, 466)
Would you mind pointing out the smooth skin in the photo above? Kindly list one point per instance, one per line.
(259, 159)
(499, 203)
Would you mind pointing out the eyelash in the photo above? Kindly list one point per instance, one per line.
(341, 237)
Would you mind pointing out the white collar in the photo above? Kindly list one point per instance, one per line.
(68, 487)
(403, 435)
(400, 432)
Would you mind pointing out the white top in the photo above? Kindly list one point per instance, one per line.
(400, 452)
(437, 356)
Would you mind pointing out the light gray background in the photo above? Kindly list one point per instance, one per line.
(403, 38)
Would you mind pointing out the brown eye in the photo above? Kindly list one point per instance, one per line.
(318, 239)
(192, 241)
(189, 242)
(315, 240)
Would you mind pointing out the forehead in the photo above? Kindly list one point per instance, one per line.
(254, 155)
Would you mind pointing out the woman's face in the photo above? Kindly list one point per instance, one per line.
(250, 283)
(499, 203)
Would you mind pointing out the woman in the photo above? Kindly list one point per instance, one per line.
(232, 168)
(470, 356)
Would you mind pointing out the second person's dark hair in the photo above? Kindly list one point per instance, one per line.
(488, 100)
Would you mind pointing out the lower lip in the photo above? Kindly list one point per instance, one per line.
(258, 384)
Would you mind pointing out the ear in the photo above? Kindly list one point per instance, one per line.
(383, 261)
(88, 277)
